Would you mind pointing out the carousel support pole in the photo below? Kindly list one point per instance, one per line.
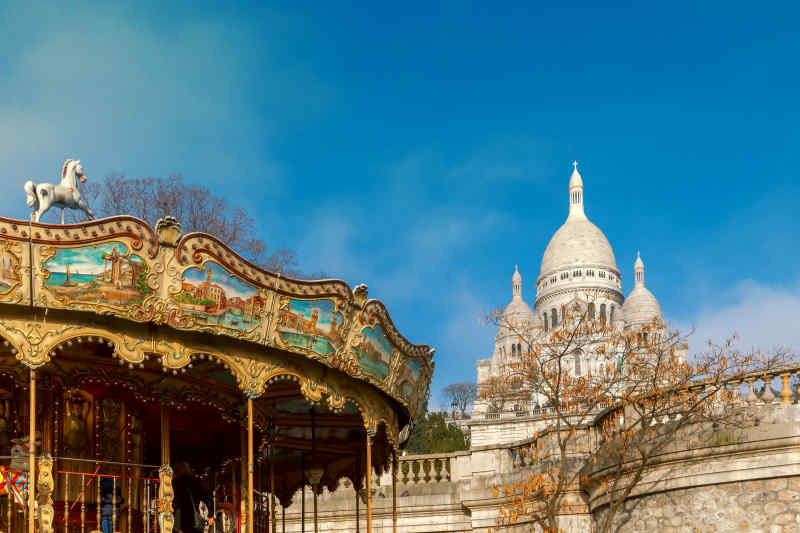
(32, 454)
(316, 518)
(166, 518)
(303, 509)
(272, 493)
(283, 518)
(250, 515)
(46, 486)
(165, 444)
(370, 434)
(394, 492)
(358, 525)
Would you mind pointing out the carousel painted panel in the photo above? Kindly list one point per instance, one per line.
(214, 298)
(106, 274)
(310, 325)
(11, 279)
(410, 373)
(374, 352)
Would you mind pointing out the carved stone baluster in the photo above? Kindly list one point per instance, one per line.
(44, 488)
(404, 469)
(447, 468)
(768, 396)
(165, 496)
(751, 394)
(416, 468)
(786, 392)
(437, 468)
(426, 467)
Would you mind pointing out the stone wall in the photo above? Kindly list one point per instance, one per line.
(750, 483)
(762, 506)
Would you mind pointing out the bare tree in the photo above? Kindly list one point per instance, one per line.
(615, 400)
(461, 396)
(195, 207)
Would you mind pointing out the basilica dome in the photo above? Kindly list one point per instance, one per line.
(577, 242)
(640, 306)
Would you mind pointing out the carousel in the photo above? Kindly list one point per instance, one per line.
(133, 359)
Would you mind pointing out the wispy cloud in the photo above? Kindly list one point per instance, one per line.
(763, 316)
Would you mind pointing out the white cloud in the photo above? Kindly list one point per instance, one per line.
(764, 317)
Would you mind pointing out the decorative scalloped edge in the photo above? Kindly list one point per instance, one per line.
(143, 236)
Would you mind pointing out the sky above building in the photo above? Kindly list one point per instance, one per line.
(425, 149)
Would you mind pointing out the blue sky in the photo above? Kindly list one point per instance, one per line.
(425, 148)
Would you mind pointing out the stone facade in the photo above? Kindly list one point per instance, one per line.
(759, 506)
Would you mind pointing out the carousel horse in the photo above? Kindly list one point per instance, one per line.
(65, 195)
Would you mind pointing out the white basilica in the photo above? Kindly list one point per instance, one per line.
(578, 260)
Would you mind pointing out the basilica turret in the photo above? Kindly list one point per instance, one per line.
(641, 306)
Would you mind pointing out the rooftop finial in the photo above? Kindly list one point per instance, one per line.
(575, 165)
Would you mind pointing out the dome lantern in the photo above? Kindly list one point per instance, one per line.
(516, 284)
(638, 271)
(576, 194)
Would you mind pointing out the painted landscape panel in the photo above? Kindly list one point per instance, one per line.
(103, 273)
(409, 375)
(214, 297)
(311, 325)
(8, 274)
(374, 353)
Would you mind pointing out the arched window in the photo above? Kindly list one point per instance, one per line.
(513, 350)
(544, 319)
(563, 312)
(577, 364)
(591, 310)
(611, 314)
(554, 317)
(602, 312)
(519, 349)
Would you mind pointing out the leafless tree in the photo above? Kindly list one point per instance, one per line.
(195, 207)
(461, 396)
(616, 400)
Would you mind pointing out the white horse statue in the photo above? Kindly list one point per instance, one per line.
(65, 195)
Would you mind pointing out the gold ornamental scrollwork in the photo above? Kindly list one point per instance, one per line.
(32, 340)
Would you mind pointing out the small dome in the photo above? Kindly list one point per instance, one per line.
(640, 307)
(517, 312)
(577, 242)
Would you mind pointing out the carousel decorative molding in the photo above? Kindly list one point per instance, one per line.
(195, 283)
